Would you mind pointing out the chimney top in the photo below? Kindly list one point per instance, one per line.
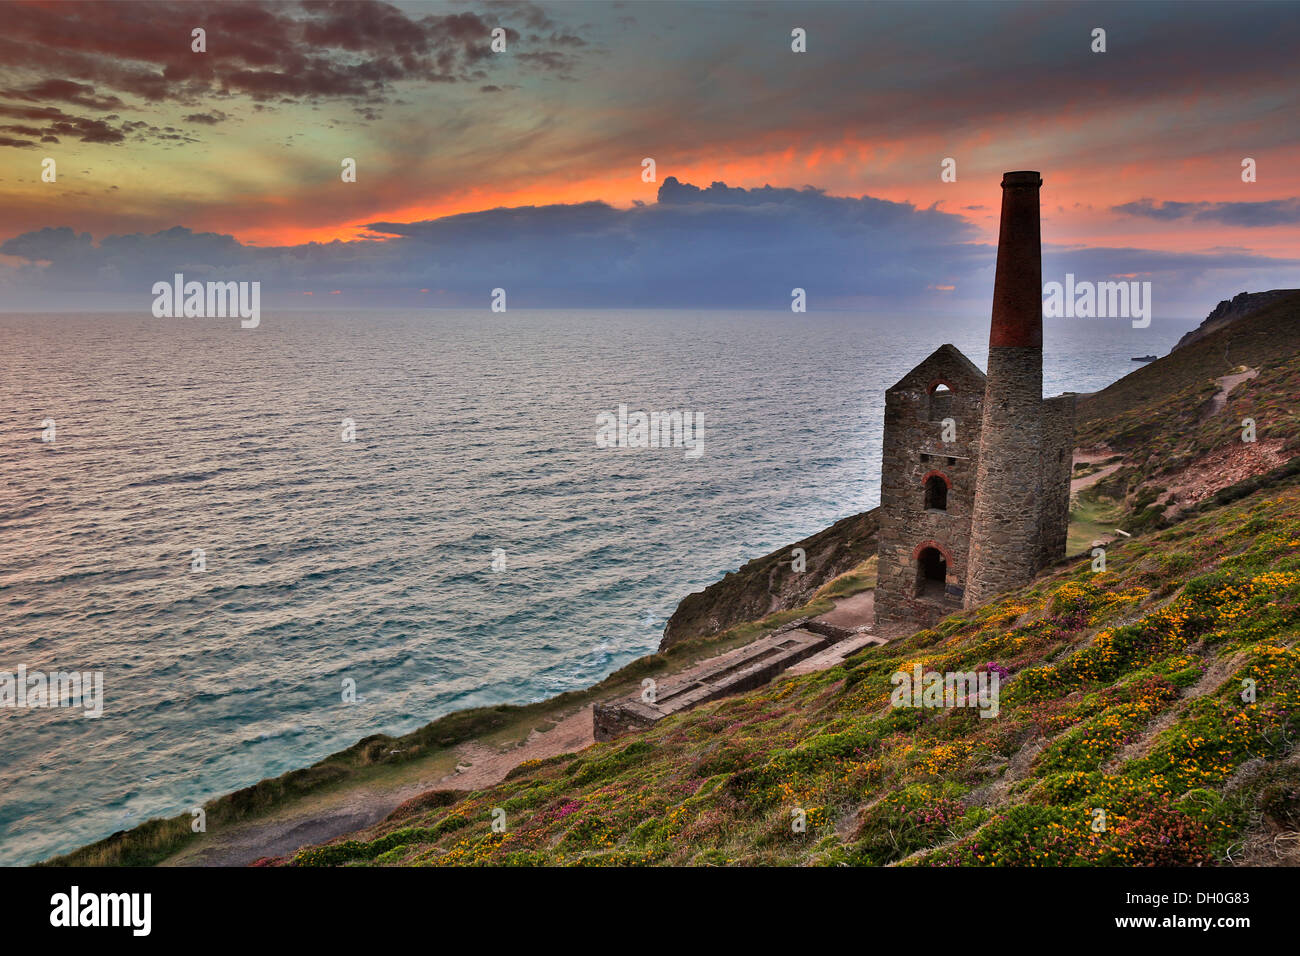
(1022, 177)
(1018, 282)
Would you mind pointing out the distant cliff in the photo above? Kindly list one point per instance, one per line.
(769, 584)
(1230, 310)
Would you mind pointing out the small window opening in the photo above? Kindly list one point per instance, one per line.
(940, 403)
(936, 493)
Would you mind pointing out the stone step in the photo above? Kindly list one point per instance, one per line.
(834, 654)
(737, 671)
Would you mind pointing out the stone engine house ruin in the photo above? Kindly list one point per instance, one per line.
(975, 476)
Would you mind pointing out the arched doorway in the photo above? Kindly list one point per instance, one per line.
(931, 573)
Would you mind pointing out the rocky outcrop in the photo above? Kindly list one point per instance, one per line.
(769, 584)
(1230, 310)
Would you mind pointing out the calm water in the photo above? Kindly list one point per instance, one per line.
(371, 560)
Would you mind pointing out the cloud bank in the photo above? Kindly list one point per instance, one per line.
(1271, 212)
(714, 247)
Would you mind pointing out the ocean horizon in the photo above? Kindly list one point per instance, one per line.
(472, 546)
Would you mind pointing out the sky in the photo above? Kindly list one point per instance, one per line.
(523, 169)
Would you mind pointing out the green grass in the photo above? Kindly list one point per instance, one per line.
(855, 581)
(1124, 696)
(1091, 517)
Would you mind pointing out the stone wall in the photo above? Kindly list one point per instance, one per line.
(912, 450)
(1057, 467)
(1005, 548)
(612, 719)
(734, 672)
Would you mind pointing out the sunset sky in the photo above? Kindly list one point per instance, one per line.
(523, 169)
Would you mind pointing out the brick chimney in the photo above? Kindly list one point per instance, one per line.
(1018, 286)
(1005, 549)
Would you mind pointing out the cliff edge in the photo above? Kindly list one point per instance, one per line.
(1230, 310)
(770, 583)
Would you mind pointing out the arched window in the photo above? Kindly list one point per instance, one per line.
(940, 401)
(931, 573)
(936, 493)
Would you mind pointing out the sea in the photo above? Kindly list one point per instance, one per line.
(235, 526)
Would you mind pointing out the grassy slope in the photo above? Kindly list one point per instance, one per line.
(1123, 696)
(1091, 517)
(1155, 416)
(1258, 340)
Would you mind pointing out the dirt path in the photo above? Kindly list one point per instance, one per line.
(319, 819)
(1093, 456)
(482, 766)
(854, 611)
(1226, 384)
(1087, 481)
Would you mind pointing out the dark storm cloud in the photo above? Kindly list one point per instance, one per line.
(58, 123)
(207, 119)
(718, 246)
(714, 246)
(1272, 212)
(78, 94)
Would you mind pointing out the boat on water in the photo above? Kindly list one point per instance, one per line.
(1144, 358)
